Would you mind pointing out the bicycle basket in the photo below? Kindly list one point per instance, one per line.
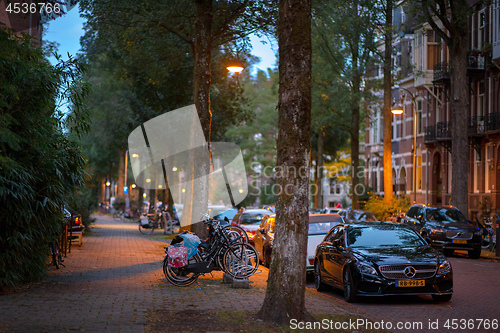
(191, 241)
(177, 256)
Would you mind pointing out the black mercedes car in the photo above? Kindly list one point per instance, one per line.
(445, 228)
(380, 259)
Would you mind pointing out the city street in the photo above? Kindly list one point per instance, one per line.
(114, 281)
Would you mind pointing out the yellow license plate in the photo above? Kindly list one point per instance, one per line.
(411, 283)
(459, 241)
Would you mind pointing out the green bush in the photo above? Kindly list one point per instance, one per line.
(383, 210)
(40, 166)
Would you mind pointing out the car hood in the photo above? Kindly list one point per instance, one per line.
(398, 255)
(453, 226)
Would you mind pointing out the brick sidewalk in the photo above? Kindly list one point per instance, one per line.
(115, 277)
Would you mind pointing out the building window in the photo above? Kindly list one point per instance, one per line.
(433, 49)
(477, 171)
(419, 169)
(488, 167)
(480, 98)
(419, 117)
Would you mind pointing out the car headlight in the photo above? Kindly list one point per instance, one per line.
(366, 268)
(445, 267)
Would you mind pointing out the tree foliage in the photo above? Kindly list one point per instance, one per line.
(257, 135)
(143, 59)
(40, 165)
(347, 30)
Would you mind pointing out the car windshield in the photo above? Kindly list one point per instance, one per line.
(445, 215)
(383, 235)
(251, 218)
(228, 213)
(321, 228)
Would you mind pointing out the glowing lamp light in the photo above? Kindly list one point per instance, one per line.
(134, 186)
(144, 195)
(108, 183)
(148, 180)
(397, 110)
(235, 66)
(159, 186)
(240, 190)
(135, 155)
(174, 169)
(183, 190)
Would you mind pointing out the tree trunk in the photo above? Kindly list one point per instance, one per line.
(121, 174)
(387, 115)
(198, 193)
(319, 169)
(355, 156)
(285, 294)
(459, 114)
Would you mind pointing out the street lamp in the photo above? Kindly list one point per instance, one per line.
(235, 66)
(398, 110)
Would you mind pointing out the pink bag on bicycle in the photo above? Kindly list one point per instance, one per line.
(177, 256)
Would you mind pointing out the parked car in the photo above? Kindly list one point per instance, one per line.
(229, 213)
(353, 216)
(74, 219)
(319, 225)
(249, 220)
(445, 228)
(379, 258)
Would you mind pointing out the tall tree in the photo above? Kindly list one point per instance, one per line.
(203, 25)
(285, 293)
(454, 18)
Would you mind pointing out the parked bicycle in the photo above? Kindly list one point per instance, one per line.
(489, 238)
(150, 222)
(59, 246)
(225, 249)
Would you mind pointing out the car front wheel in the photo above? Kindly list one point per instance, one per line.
(318, 282)
(349, 293)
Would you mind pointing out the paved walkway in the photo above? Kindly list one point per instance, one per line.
(115, 277)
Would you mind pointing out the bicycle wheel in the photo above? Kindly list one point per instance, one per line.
(178, 276)
(56, 255)
(240, 260)
(152, 226)
(236, 234)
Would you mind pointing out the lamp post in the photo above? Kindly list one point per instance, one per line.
(398, 110)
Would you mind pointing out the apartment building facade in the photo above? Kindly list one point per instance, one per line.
(423, 89)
